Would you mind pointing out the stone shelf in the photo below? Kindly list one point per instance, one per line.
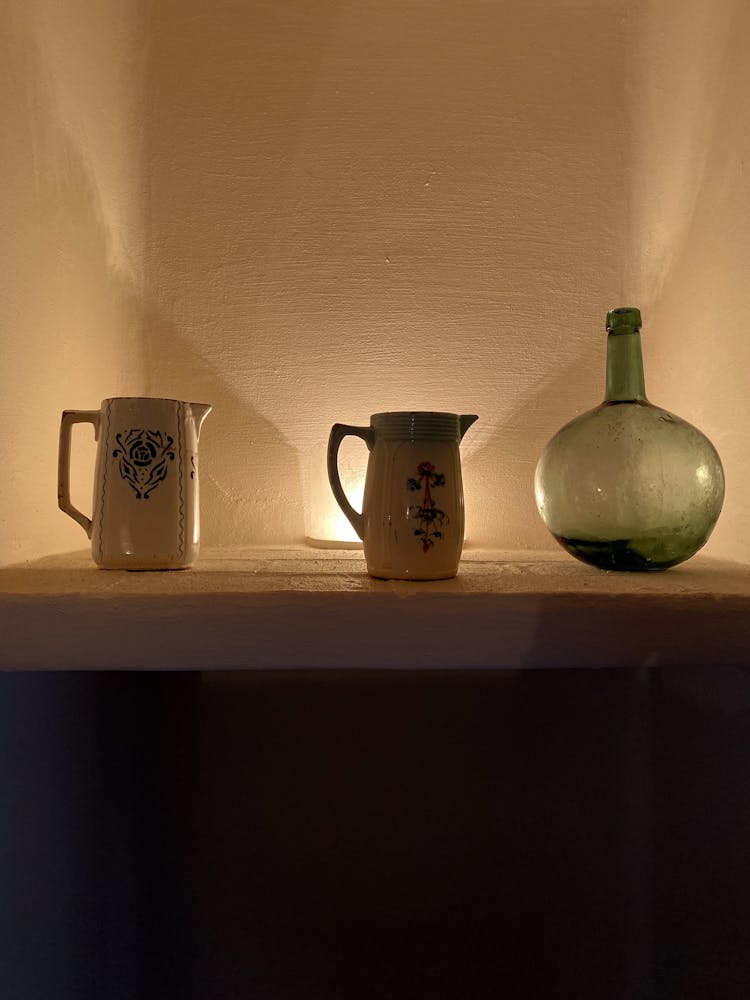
(299, 608)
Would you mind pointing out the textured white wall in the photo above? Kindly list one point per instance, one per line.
(305, 212)
(363, 206)
(71, 245)
(688, 178)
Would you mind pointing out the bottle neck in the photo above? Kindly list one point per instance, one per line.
(624, 367)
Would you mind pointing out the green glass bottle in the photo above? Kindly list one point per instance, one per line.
(629, 486)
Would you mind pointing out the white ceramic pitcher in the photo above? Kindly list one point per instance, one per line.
(146, 507)
(412, 520)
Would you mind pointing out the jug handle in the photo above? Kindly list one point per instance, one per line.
(337, 435)
(70, 417)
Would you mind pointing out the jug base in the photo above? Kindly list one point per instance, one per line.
(140, 566)
(418, 577)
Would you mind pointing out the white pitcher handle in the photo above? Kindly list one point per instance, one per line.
(337, 435)
(70, 417)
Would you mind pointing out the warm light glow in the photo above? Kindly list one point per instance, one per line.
(334, 525)
(326, 525)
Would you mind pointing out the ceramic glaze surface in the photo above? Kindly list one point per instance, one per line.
(146, 499)
(412, 520)
(413, 510)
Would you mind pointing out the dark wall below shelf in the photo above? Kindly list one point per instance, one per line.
(365, 835)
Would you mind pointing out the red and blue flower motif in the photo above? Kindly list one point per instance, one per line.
(431, 518)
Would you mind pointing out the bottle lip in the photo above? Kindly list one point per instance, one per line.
(625, 319)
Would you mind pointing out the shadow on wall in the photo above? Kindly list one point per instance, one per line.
(69, 316)
(64, 275)
(250, 480)
(504, 465)
(367, 215)
(691, 234)
(75, 328)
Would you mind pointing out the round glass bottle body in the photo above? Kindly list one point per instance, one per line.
(628, 485)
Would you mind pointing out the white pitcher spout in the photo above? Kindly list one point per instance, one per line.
(199, 411)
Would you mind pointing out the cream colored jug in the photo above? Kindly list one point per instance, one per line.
(412, 520)
(146, 506)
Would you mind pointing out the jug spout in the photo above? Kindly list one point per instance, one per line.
(199, 411)
(465, 421)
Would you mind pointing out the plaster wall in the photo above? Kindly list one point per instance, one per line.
(689, 228)
(308, 212)
(359, 207)
(71, 241)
